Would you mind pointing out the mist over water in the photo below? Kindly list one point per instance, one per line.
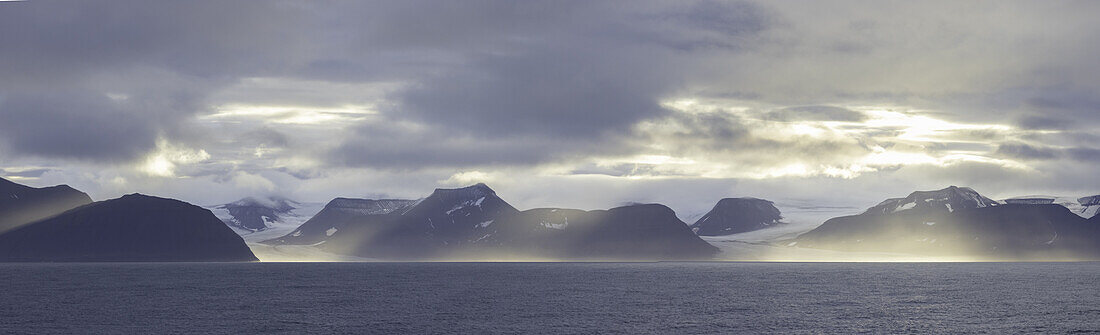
(558, 298)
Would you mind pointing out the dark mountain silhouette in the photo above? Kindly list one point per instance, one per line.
(737, 215)
(21, 204)
(435, 226)
(635, 232)
(131, 228)
(966, 227)
(473, 222)
(336, 216)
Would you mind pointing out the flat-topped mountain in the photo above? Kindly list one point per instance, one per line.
(336, 216)
(134, 227)
(972, 227)
(21, 204)
(737, 215)
(634, 232)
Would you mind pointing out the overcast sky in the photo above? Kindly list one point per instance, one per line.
(560, 103)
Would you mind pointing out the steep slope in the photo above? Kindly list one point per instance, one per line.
(21, 204)
(259, 219)
(1089, 206)
(131, 228)
(737, 215)
(1011, 231)
(338, 214)
(635, 232)
(445, 221)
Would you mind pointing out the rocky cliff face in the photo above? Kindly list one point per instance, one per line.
(131, 228)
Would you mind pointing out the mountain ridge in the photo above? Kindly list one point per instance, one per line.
(962, 226)
(22, 204)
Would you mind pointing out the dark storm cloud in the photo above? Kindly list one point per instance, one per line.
(1036, 152)
(489, 70)
(103, 80)
(693, 26)
(600, 73)
(1039, 122)
(73, 124)
(1026, 151)
(1056, 107)
(554, 89)
(52, 40)
(557, 91)
(1091, 155)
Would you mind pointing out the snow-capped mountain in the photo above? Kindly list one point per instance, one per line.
(261, 218)
(737, 215)
(971, 225)
(254, 214)
(949, 199)
(446, 220)
(21, 204)
(134, 227)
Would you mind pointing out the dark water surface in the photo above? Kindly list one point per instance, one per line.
(557, 298)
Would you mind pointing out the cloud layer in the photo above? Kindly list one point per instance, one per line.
(657, 101)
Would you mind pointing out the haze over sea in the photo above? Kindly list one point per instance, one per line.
(557, 298)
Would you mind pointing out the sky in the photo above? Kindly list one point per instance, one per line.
(582, 104)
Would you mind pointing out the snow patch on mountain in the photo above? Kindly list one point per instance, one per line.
(948, 199)
(286, 216)
(1085, 207)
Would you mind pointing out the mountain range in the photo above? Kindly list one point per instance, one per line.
(959, 221)
(474, 223)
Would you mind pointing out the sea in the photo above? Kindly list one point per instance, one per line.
(550, 298)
